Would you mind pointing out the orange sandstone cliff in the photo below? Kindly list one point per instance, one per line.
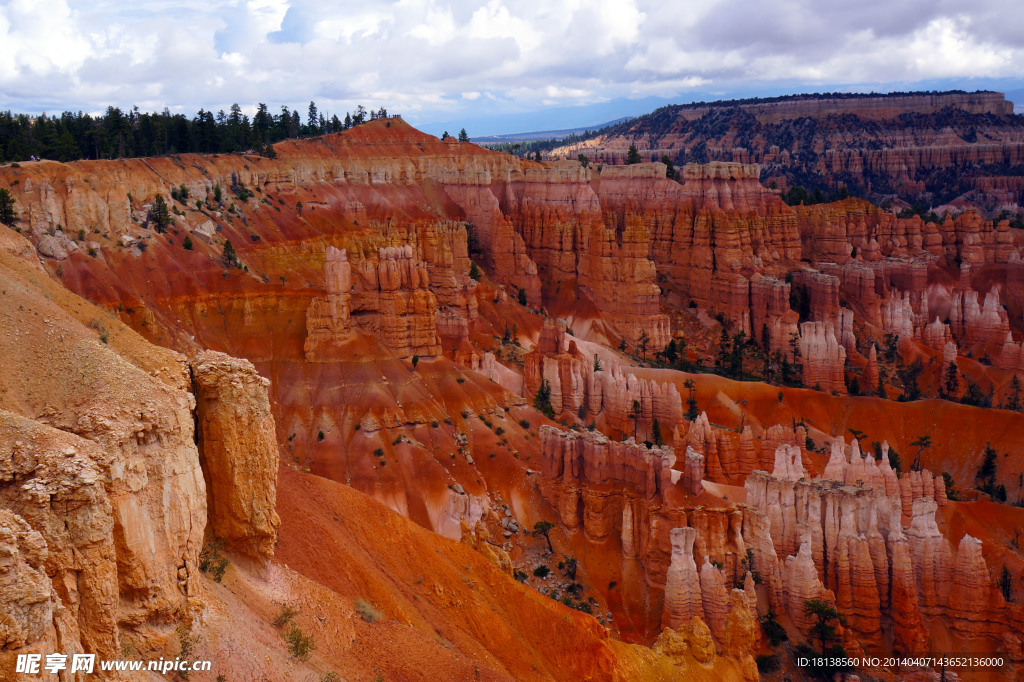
(480, 343)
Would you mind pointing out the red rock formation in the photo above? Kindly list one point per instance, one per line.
(899, 152)
(908, 626)
(936, 334)
(607, 394)
(822, 292)
(971, 590)
(97, 458)
(769, 306)
(823, 357)
(238, 449)
(683, 597)
(589, 457)
(932, 557)
(776, 435)
(563, 367)
(857, 594)
(714, 599)
(393, 302)
(747, 459)
(25, 590)
(978, 323)
(327, 319)
(871, 371)
(693, 471)
(845, 538)
(801, 583)
(607, 239)
(719, 227)
(1010, 357)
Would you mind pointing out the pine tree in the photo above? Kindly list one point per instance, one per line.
(951, 382)
(313, 120)
(463, 136)
(670, 168)
(542, 400)
(823, 614)
(691, 400)
(987, 471)
(1005, 583)
(641, 343)
(159, 214)
(544, 528)
(1013, 399)
(724, 354)
(7, 214)
(922, 443)
(230, 257)
(633, 155)
(669, 352)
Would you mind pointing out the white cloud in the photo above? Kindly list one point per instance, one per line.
(39, 37)
(455, 56)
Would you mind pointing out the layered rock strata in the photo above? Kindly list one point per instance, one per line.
(238, 452)
(868, 540)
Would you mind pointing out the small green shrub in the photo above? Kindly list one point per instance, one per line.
(300, 646)
(212, 561)
(774, 631)
(285, 616)
(524, 423)
(541, 571)
(367, 612)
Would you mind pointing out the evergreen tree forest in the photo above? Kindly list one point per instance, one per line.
(123, 134)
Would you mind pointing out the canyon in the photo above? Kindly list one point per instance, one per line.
(938, 149)
(357, 376)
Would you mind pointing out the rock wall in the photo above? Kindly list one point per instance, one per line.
(623, 491)
(103, 503)
(238, 452)
(822, 356)
(868, 540)
(873, 145)
(606, 394)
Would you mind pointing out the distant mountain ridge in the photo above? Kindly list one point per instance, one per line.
(546, 134)
(926, 148)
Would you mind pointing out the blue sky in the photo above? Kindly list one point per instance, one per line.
(497, 66)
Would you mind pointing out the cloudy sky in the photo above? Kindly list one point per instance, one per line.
(484, 62)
